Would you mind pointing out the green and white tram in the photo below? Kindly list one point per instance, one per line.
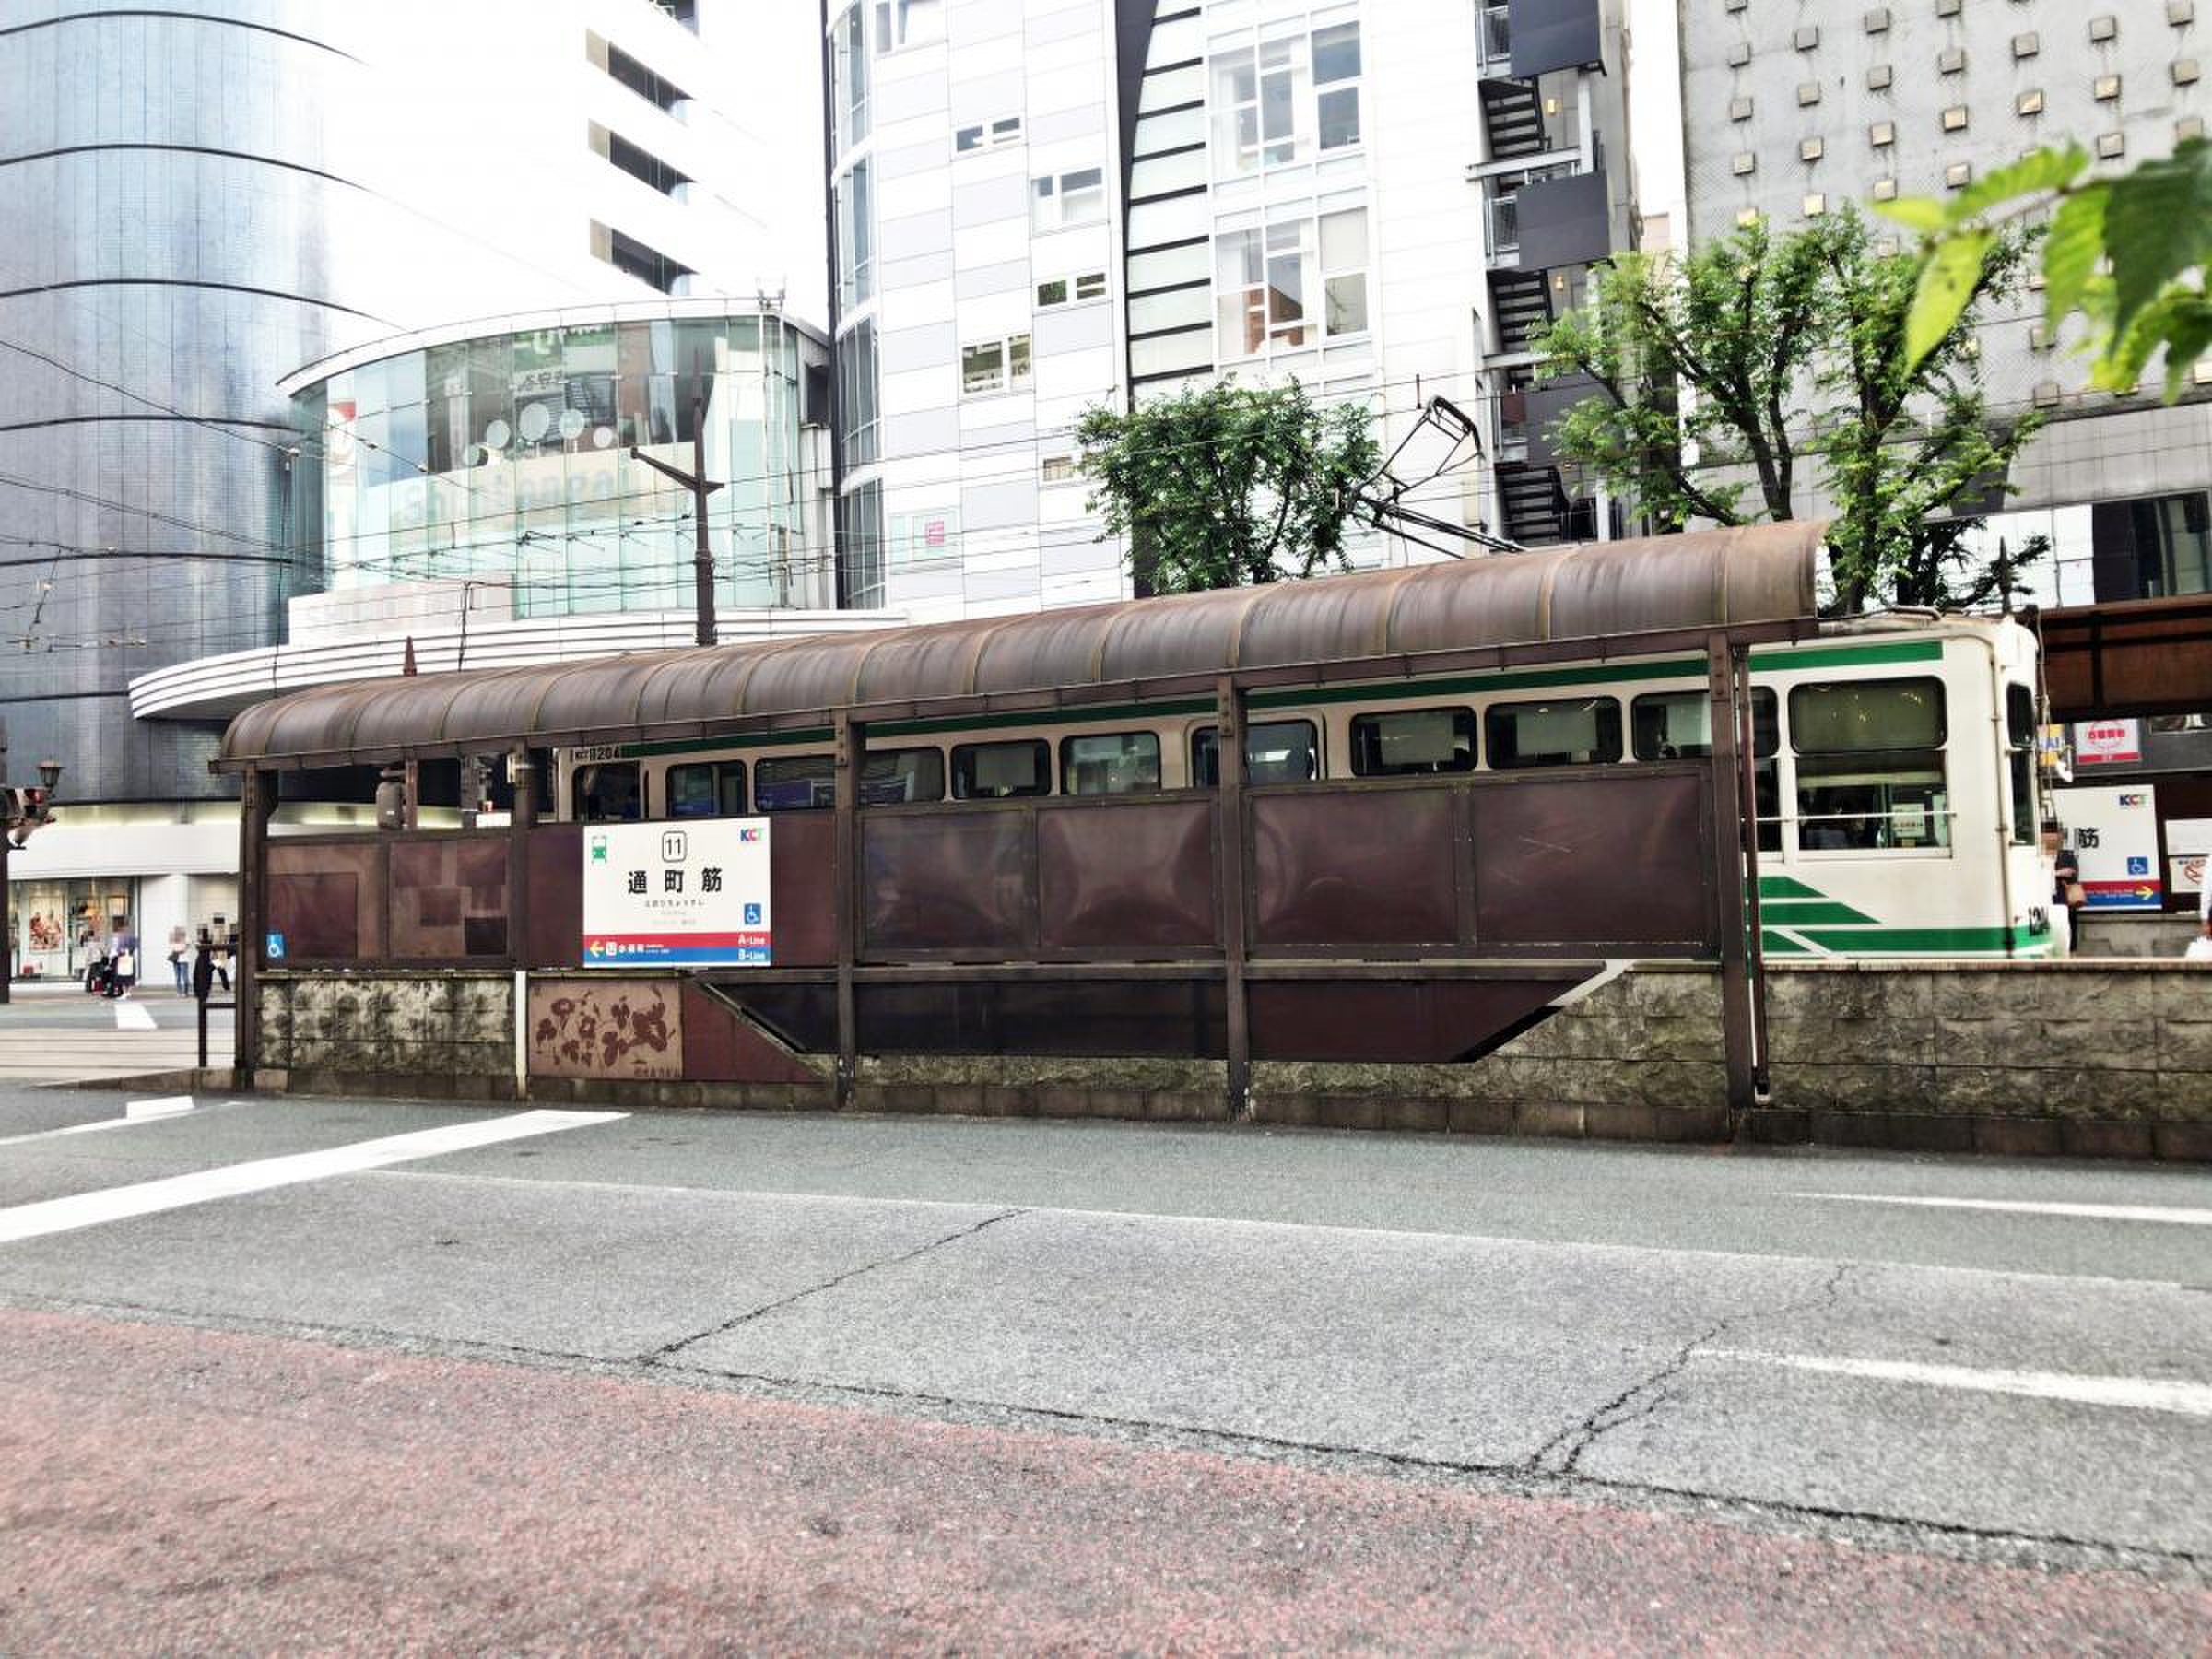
(1895, 763)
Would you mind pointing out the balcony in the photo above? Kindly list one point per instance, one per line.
(1544, 35)
(1494, 38)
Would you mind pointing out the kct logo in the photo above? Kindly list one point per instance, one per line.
(748, 835)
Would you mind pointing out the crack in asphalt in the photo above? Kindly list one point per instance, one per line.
(1562, 1454)
(1518, 1477)
(659, 1355)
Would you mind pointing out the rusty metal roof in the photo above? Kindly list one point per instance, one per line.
(1613, 591)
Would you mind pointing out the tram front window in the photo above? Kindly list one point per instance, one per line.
(708, 789)
(1870, 774)
(607, 794)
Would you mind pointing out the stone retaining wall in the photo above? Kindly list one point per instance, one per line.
(2099, 1059)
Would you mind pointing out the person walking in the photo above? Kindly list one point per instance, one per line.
(178, 941)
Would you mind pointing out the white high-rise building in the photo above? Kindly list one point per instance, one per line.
(1041, 205)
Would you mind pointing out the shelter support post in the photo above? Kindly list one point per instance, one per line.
(852, 744)
(522, 771)
(253, 792)
(1230, 761)
(1736, 868)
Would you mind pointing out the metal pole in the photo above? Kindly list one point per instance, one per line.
(252, 907)
(1737, 1018)
(1229, 762)
(703, 553)
(852, 742)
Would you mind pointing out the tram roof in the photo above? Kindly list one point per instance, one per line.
(1598, 599)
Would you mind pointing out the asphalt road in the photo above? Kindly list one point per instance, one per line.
(277, 1377)
(56, 1033)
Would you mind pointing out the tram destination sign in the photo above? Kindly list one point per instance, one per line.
(677, 894)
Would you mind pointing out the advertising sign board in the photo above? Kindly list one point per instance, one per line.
(2108, 743)
(2188, 849)
(2115, 834)
(667, 895)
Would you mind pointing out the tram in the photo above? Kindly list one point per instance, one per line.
(1897, 804)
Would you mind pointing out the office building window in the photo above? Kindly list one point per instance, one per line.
(1286, 98)
(857, 402)
(859, 551)
(632, 257)
(924, 538)
(1287, 284)
(855, 235)
(637, 161)
(1071, 291)
(657, 89)
(849, 76)
(2153, 549)
(994, 365)
(903, 23)
(1060, 200)
(1056, 469)
(987, 135)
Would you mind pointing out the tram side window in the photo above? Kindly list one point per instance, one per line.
(1584, 731)
(1677, 725)
(1413, 742)
(809, 782)
(1118, 763)
(1000, 772)
(707, 789)
(605, 793)
(1276, 751)
(2019, 727)
(1870, 765)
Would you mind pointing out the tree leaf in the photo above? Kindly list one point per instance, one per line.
(2158, 225)
(1923, 213)
(2071, 252)
(1948, 279)
(2033, 174)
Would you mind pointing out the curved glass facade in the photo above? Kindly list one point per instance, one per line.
(505, 458)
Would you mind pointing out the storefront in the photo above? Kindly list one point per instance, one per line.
(54, 926)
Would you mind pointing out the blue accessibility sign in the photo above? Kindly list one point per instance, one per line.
(276, 947)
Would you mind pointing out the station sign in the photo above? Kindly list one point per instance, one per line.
(676, 895)
(2114, 833)
(2108, 743)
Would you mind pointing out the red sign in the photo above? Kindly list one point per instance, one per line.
(2108, 743)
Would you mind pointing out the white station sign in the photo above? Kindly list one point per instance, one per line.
(679, 894)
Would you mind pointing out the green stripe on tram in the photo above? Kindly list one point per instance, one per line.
(1786, 887)
(1850, 656)
(1812, 912)
(1921, 941)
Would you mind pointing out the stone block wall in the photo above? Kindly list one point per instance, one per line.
(2074, 1057)
(440, 1033)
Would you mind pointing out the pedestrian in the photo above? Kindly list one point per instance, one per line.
(202, 967)
(2067, 891)
(222, 961)
(124, 965)
(177, 942)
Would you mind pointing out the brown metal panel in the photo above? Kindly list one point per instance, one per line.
(1350, 866)
(1097, 1019)
(1595, 860)
(1392, 1022)
(556, 920)
(2129, 658)
(820, 675)
(448, 898)
(924, 662)
(1055, 648)
(953, 879)
(1133, 877)
(722, 1046)
(325, 898)
(606, 1028)
(601, 693)
(802, 889)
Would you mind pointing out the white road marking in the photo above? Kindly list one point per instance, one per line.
(176, 1191)
(133, 1016)
(130, 1119)
(168, 1106)
(2136, 1394)
(2095, 1212)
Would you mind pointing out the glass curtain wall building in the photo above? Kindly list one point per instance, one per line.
(503, 458)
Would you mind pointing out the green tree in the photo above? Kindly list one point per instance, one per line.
(1728, 380)
(1225, 486)
(2127, 252)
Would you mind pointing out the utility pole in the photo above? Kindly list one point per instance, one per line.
(695, 481)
